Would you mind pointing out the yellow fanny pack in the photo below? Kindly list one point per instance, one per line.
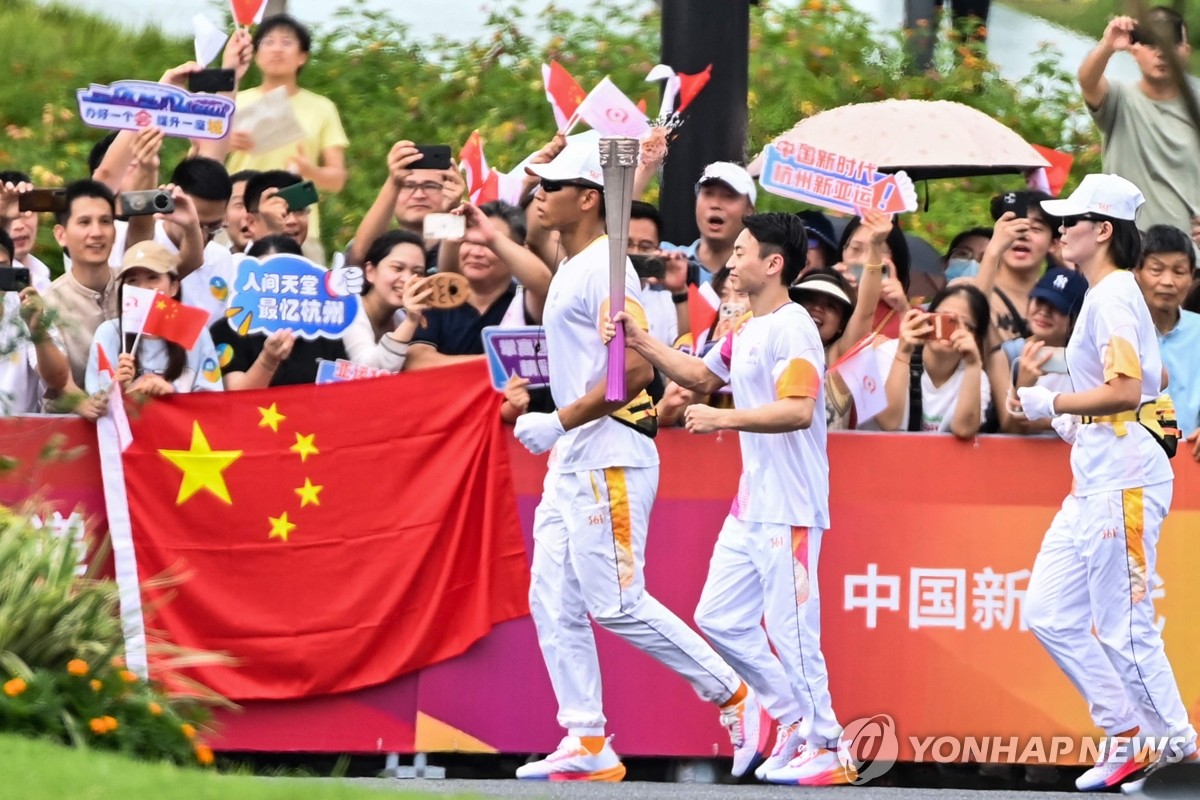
(1156, 416)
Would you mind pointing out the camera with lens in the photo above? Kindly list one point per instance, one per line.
(648, 266)
(140, 204)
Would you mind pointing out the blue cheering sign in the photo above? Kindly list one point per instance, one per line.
(286, 292)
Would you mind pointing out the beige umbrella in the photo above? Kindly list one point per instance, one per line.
(925, 138)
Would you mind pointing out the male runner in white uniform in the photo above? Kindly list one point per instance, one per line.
(590, 527)
(765, 561)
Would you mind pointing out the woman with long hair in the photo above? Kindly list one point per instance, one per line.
(154, 367)
(942, 346)
(1096, 567)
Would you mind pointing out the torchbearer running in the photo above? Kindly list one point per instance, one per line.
(1096, 567)
(590, 526)
(765, 561)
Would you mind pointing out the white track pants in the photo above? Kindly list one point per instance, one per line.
(1096, 568)
(770, 571)
(589, 538)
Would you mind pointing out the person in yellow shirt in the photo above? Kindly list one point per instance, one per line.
(281, 48)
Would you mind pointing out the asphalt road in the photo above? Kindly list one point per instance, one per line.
(632, 790)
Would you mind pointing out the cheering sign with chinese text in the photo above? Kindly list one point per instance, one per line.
(822, 178)
(516, 351)
(343, 370)
(134, 105)
(286, 292)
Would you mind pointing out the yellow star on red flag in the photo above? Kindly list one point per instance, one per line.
(305, 446)
(202, 467)
(270, 417)
(308, 493)
(280, 527)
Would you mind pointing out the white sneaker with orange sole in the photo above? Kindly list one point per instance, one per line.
(574, 762)
(749, 728)
(815, 767)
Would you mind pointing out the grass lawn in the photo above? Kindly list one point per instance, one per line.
(33, 770)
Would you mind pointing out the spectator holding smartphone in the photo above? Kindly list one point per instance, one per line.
(33, 361)
(394, 300)
(22, 226)
(937, 381)
(1165, 275)
(1039, 359)
(1149, 138)
(1014, 260)
(281, 49)
(267, 214)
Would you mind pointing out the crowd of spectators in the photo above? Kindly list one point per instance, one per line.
(1012, 298)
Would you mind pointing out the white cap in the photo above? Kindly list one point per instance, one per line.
(732, 175)
(1107, 195)
(578, 161)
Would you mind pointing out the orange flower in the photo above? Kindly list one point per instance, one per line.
(204, 754)
(96, 685)
(155, 709)
(189, 730)
(77, 667)
(128, 676)
(102, 725)
(15, 687)
(118, 662)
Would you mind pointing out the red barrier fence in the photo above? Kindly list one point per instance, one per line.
(922, 578)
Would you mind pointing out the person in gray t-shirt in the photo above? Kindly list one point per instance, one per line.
(1148, 137)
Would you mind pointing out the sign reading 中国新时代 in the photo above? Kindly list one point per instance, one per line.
(287, 292)
(343, 370)
(823, 178)
(134, 105)
(517, 351)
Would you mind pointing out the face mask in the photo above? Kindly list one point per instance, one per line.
(961, 268)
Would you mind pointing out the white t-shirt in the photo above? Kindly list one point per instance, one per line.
(785, 476)
(21, 388)
(938, 403)
(661, 314)
(578, 360)
(1115, 336)
(39, 273)
(202, 373)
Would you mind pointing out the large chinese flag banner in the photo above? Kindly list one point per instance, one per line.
(332, 537)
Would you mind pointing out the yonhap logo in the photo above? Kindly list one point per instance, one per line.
(871, 746)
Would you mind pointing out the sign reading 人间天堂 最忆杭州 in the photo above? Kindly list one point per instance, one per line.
(286, 292)
(519, 352)
(134, 105)
(822, 178)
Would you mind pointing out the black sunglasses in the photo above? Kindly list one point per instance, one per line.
(558, 186)
(1070, 222)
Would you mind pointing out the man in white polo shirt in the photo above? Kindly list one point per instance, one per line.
(590, 527)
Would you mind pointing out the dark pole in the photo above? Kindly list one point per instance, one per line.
(696, 33)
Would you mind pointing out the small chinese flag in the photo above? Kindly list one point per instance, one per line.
(690, 86)
(248, 12)
(563, 91)
(103, 364)
(171, 320)
(701, 315)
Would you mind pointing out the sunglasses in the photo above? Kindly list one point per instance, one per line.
(1070, 222)
(557, 186)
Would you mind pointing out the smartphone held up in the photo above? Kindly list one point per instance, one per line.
(944, 325)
